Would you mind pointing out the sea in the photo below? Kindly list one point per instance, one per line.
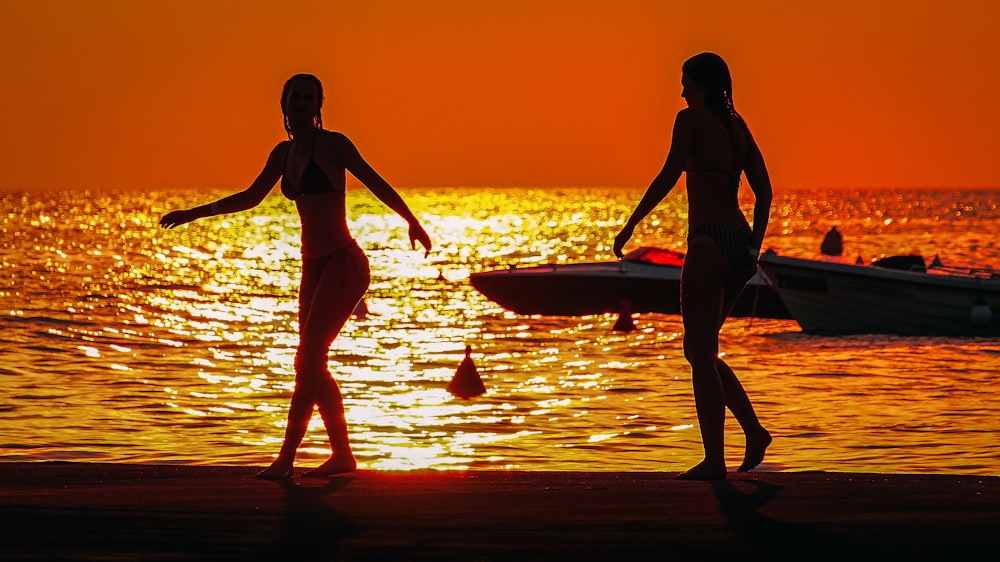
(123, 342)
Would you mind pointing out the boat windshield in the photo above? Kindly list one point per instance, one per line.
(655, 256)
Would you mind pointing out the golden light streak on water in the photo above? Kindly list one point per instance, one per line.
(135, 344)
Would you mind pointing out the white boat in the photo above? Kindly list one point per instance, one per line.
(647, 278)
(897, 296)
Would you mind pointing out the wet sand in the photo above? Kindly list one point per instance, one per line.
(81, 511)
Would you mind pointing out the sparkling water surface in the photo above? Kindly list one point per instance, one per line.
(122, 342)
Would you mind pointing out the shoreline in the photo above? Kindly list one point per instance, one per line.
(59, 510)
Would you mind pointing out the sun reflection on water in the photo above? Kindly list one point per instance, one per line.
(178, 346)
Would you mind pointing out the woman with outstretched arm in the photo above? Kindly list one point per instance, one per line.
(312, 166)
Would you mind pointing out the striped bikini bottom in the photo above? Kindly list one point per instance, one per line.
(732, 241)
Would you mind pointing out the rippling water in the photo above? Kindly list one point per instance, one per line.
(126, 343)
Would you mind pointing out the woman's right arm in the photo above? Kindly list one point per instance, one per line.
(677, 157)
(241, 201)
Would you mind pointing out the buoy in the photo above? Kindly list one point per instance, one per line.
(859, 261)
(936, 262)
(624, 322)
(980, 312)
(466, 382)
(833, 243)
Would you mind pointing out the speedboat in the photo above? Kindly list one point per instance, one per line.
(645, 280)
(897, 295)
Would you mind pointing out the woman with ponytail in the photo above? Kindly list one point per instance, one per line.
(713, 146)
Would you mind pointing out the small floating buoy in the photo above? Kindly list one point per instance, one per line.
(859, 261)
(833, 243)
(466, 382)
(936, 262)
(624, 322)
(980, 312)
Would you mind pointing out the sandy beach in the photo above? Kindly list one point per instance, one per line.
(80, 511)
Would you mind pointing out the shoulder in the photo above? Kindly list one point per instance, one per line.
(281, 148)
(336, 142)
(695, 116)
(741, 124)
(686, 121)
(339, 146)
(279, 152)
(335, 139)
(690, 118)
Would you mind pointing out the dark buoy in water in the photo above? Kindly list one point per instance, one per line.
(466, 382)
(833, 243)
(624, 322)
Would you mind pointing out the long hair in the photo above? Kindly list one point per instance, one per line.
(709, 71)
(318, 118)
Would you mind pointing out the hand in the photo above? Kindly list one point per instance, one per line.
(177, 218)
(417, 234)
(621, 240)
(746, 272)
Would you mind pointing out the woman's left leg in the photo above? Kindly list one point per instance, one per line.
(757, 437)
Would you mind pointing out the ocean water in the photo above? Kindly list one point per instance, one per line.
(122, 342)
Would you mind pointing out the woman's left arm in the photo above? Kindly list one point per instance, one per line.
(760, 185)
(367, 175)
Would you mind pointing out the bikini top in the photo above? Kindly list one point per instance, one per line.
(313, 181)
(734, 177)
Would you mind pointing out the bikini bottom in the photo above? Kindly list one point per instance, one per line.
(348, 257)
(732, 241)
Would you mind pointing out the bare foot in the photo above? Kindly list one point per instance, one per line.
(704, 471)
(335, 465)
(278, 470)
(754, 455)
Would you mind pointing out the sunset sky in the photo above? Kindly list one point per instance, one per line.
(184, 93)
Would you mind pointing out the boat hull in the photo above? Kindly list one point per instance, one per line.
(837, 298)
(599, 288)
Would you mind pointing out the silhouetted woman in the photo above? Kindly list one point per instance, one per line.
(335, 274)
(713, 146)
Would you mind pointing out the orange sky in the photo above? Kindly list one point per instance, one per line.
(184, 93)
